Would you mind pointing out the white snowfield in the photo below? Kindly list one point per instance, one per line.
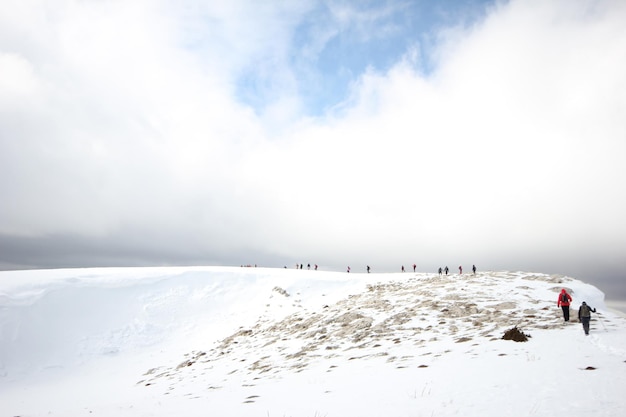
(220, 341)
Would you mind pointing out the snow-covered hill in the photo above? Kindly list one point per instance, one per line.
(277, 342)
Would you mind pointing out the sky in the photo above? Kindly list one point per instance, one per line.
(335, 133)
(231, 341)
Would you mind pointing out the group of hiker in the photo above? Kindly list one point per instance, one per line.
(446, 270)
(301, 266)
(584, 312)
(441, 271)
(368, 268)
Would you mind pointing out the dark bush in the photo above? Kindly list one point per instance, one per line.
(516, 335)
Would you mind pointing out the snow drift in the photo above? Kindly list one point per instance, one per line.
(275, 342)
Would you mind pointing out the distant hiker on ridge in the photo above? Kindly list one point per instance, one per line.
(446, 270)
(584, 316)
(368, 269)
(474, 269)
(414, 266)
(348, 269)
(563, 302)
(402, 268)
(439, 271)
(460, 270)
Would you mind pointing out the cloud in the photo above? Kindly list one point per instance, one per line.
(509, 150)
(122, 117)
(187, 128)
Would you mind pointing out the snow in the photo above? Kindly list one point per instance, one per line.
(224, 341)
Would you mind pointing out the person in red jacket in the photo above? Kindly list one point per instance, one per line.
(564, 300)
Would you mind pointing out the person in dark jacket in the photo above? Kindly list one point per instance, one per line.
(564, 300)
(584, 316)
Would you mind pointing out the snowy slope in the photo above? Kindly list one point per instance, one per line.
(277, 342)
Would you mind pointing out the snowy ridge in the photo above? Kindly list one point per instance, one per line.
(277, 342)
(416, 312)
